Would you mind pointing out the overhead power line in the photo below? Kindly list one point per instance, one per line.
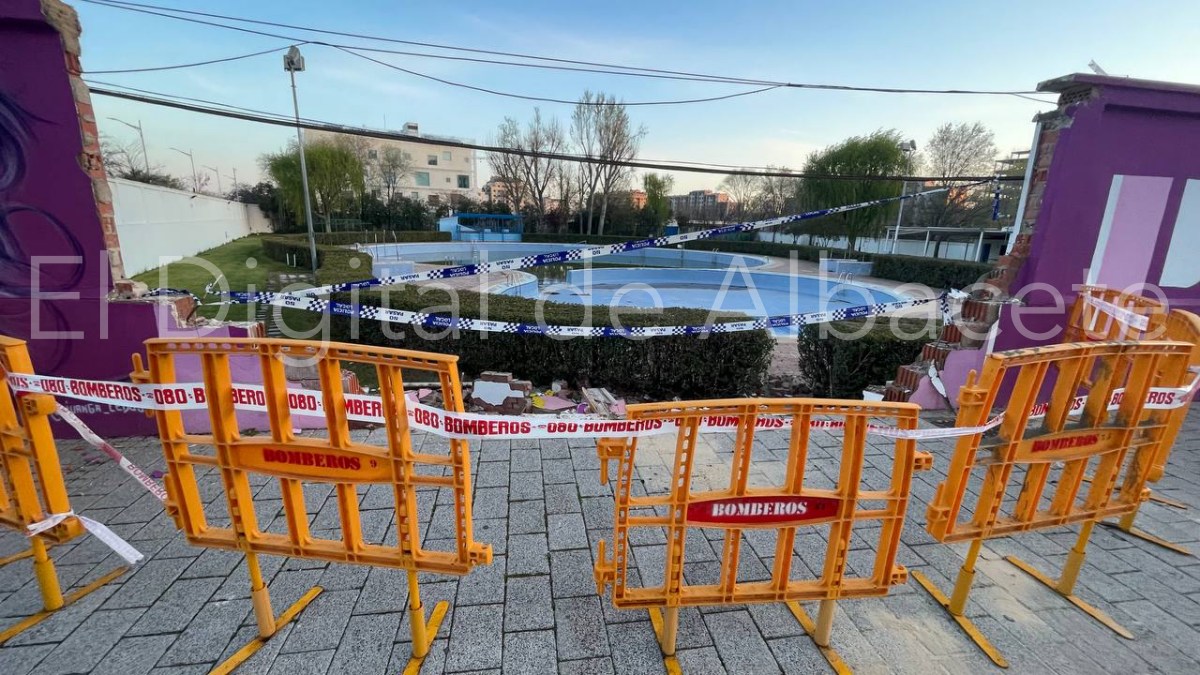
(189, 65)
(611, 69)
(552, 100)
(285, 121)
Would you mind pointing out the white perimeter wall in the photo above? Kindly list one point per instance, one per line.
(155, 222)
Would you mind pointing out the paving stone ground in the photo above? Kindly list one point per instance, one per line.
(535, 609)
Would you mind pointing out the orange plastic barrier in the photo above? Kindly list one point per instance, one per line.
(802, 501)
(1030, 475)
(1089, 321)
(293, 461)
(31, 483)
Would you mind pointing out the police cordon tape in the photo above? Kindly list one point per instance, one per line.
(313, 304)
(581, 254)
(444, 423)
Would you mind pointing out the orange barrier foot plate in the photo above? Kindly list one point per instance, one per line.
(1090, 609)
(240, 656)
(26, 624)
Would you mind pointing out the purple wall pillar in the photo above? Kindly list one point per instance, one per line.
(1115, 200)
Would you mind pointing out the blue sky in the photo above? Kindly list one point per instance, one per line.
(1011, 46)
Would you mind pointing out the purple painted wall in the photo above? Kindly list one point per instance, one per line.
(1124, 152)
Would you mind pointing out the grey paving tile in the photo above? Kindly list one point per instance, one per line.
(177, 607)
(484, 585)
(366, 645)
(571, 573)
(530, 653)
(596, 666)
(208, 634)
(89, 643)
(635, 649)
(562, 498)
(579, 628)
(304, 663)
(133, 655)
(528, 555)
(20, 660)
(476, 640)
(62, 623)
(704, 660)
(526, 517)
(737, 641)
(385, 590)
(566, 531)
(321, 624)
(528, 605)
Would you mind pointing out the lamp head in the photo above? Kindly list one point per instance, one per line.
(293, 61)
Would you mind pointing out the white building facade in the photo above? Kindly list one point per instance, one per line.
(436, 172)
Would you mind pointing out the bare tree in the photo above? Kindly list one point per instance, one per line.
(585, 135)
(506, 166)
(778, 193)
(541, 137)
(744, 190)
(390, 169)
(957, 150)
(566, 181)
(618, 143)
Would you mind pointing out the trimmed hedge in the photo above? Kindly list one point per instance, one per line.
(731, 364)
(370, 236)
(594, 239)
(832, 366)
(932, 272)
(335, 264)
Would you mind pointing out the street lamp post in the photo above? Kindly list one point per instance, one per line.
(141, 137)
(293, 62)
(217, 173)
(195, 179)
(907, 148)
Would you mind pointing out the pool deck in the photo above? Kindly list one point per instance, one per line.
(535, 608)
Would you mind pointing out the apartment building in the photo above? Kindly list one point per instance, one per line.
(435, 171)
(704, 205)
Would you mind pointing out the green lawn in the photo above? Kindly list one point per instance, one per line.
(241, 262)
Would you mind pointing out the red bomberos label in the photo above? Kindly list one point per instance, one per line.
(762, 510)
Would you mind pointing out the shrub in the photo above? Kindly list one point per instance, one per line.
(594, 239)
(688, 366)
(335, 264)
(836, 367)
(932, 272)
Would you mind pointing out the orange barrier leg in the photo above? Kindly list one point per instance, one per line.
(423, 633)
(1065, 585)
(816, 630)
(1125, 524)
(956, 604)
(268, 623)
(666, 629)
(43, 569)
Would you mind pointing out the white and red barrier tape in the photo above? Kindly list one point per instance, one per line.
(421, 417)
(1126, 316)
(94, 528)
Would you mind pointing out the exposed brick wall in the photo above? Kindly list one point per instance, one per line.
(64, 19)
(982, 309)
